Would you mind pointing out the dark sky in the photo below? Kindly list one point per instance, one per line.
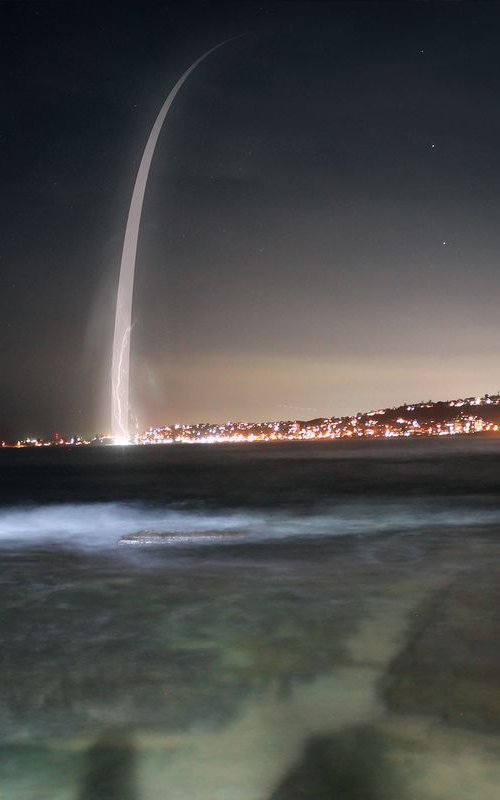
(321, 229)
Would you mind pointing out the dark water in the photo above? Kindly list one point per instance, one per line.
(323, 622)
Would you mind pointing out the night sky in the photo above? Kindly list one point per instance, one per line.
(321, 229)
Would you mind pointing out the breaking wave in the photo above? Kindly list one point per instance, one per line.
(100, 525)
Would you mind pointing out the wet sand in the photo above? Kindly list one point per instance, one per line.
(254, 672)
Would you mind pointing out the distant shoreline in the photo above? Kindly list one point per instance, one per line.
(462, 416)
(247, 443)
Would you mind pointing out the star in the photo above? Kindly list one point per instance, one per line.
(444, 244)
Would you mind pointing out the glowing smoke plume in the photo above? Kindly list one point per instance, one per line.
(120, 369)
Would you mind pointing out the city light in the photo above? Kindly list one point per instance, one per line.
(464, 416)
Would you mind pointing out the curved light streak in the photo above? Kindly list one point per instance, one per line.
(120, 368)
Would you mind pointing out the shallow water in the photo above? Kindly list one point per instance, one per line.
(343, 643)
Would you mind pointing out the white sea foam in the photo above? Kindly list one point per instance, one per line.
(102, 524)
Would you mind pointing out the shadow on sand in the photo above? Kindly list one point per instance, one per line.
(109, 768)
(350, 765)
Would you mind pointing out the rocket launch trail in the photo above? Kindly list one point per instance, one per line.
(120, 368)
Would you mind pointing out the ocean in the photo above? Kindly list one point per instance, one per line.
(301, 620)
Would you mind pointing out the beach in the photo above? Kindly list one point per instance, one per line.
(338, 638)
